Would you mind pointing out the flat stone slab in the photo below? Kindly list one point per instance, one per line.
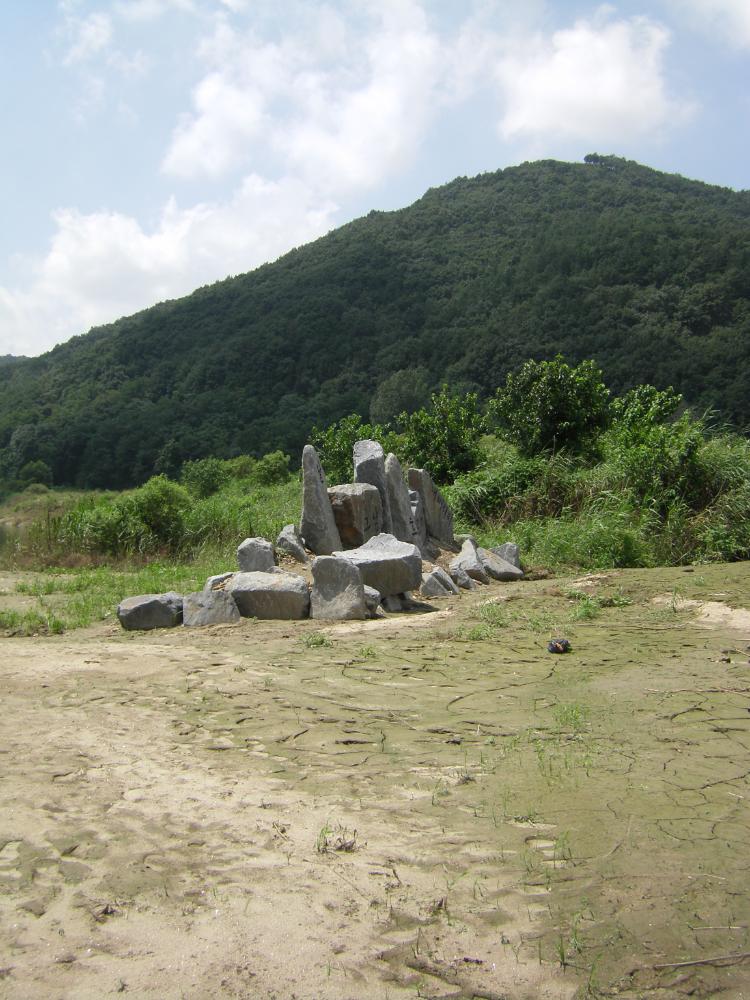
(388, 565)
(357, 511)
(147, 611)
(270, 595)
(437, 514)
(256, 555)
(497, 567)
(289, 541)
(338, 593)
(209, 607)
(317, 526)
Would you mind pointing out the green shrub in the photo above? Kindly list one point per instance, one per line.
(444, 439)
(204, 476)
(272, 468)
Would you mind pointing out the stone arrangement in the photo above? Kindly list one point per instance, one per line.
(364, 544)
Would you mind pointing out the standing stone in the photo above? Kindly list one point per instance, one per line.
(209, 607)
(417, 513)
(437, 513)
(510, 552)
(369, 467)
(149, 611)
(270, 595)
(317, 527)
(358, 512)
(388, 565)
(338, 593)
(290, 542)
(256, 555)
(402, 519)
(468, 560)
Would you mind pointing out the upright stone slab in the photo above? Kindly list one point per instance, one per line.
(437, 514)
(388, 565)
(270, 595)
(256, 555)
(147, 611)
(338, 593)
(402, 519)
(417, 513)
(290, 542)
(317, 526)
(209, 607)
(369, 467)
(358, 512)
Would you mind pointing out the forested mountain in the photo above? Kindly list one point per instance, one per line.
(10, 359)
(647, 273)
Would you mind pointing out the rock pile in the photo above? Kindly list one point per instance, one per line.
(367, 540)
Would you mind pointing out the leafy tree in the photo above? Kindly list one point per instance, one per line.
(204, 476)
(444, 438)
(549, 406)
(402, 392)
(272, 468)
(35, 472)
(335, 445)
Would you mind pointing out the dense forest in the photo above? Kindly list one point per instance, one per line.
(644, 272)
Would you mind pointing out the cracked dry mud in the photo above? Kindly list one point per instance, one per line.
(405, 812)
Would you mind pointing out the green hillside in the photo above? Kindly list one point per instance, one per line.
(647, 273)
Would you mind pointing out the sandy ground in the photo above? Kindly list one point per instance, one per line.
(404, 812)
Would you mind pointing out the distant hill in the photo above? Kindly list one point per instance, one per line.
(648, 273)
(11, 359)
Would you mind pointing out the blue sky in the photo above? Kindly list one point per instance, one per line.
(152, 146)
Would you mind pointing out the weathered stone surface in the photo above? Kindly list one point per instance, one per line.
(388, 565)
(372, 599)
(417, 513)
(270, 595)
(432, 586)
(290, 542)
(317, 526)
(508, 551)
(461, 578)
(369, 467)
(393, 603)
(445, 579)
(468, 560)
(256, 555)
(498, 568)
(217, 582)
(358, 512)
(147, 611)
(214, 607)
(437, 514)
(403, 525)
(338, 593)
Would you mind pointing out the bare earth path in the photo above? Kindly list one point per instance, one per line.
(431, 806)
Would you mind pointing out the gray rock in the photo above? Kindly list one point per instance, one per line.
(372, 600)
(317, 527)
(149, 611)
(338, 593)
(445, 579)
(255, 555)
(508, 551)
(290, 542)
(393, 604)
(403, 525)
(498, 568)
(468, 560)
(369, 467)
(461, 578)
(217, 582)
(270, 595)
(213, 607)
(388, 565)
(437, 514)
(432, 586)
(358, 512)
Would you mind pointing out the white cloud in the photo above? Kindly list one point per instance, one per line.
(601, 80)
(89, 36)
(728, 18)
(103, 265)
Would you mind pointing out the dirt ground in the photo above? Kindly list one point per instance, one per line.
(430, 806)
